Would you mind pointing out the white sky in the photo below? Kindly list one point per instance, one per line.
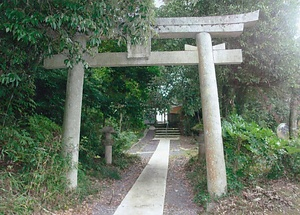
(158, 3)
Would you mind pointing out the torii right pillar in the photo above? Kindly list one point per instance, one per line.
(215, 162)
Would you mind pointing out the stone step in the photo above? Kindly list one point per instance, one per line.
(167, 132)
(163, 131)
(166, 136)
(169, 129)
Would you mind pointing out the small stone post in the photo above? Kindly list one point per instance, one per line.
(216, 171)
(108, 142)
(72, 116)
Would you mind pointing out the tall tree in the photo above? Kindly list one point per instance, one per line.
(30, 30)
(270, 55)
(43, 28)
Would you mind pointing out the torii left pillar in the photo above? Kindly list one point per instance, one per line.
(72, 115)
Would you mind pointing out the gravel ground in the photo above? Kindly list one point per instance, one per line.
(179, 194)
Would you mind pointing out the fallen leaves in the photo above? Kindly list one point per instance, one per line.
(279, 197)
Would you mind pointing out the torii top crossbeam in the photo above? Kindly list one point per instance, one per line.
(216, 26)
(180, 27)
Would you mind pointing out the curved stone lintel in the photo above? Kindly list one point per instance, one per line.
(190, 31)
(216, 26)
(247, 18)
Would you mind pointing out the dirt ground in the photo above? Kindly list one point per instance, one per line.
(276, 197)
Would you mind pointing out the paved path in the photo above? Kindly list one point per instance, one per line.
(147, 195)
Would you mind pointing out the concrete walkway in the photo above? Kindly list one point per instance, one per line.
(147, 195)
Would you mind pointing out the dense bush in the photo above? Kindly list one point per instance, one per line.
(250, 151)
(32, 168)
(123, 141)
(290, 162)
(92, 149)
(31, 174)
(252, 154)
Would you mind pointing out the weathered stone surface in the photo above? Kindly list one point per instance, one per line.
(108, 142)
(248, 18)
(215, 162)
(72, 117)
(119, 59)
(183, 27)
(107, 132)
(194, 48)
(139, 51)
(108, 154)
(216, 26)
(190, 31)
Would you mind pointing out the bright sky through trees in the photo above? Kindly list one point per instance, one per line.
(158, 3)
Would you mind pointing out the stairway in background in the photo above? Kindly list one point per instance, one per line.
(162, 130)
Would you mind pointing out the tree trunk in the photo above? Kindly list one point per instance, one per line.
(294, 104)
(240, 99)
(227, 101)
(120, 122)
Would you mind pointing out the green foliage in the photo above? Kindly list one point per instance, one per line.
(259, 88)
(123, 142)
(290, 162)
(50, 93)
(114, 93)
(250, 150)
(253, 152)
(31, 21)
(31, 30)
(10, 78)
(196, 172)
(16, 97)
(32, 167)
(269, 113)
(177, 85)
(92, 149)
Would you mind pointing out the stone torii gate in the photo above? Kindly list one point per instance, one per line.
(205, 55)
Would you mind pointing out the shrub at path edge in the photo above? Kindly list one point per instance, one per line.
(252, 154)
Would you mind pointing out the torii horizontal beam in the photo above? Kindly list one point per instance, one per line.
(119, 59)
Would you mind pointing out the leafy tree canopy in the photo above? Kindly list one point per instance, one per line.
(270, 52)
(31, 30)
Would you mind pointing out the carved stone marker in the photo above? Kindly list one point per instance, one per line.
(283, 131)
(108, 142)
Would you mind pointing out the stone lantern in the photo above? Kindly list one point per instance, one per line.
(108, 142)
